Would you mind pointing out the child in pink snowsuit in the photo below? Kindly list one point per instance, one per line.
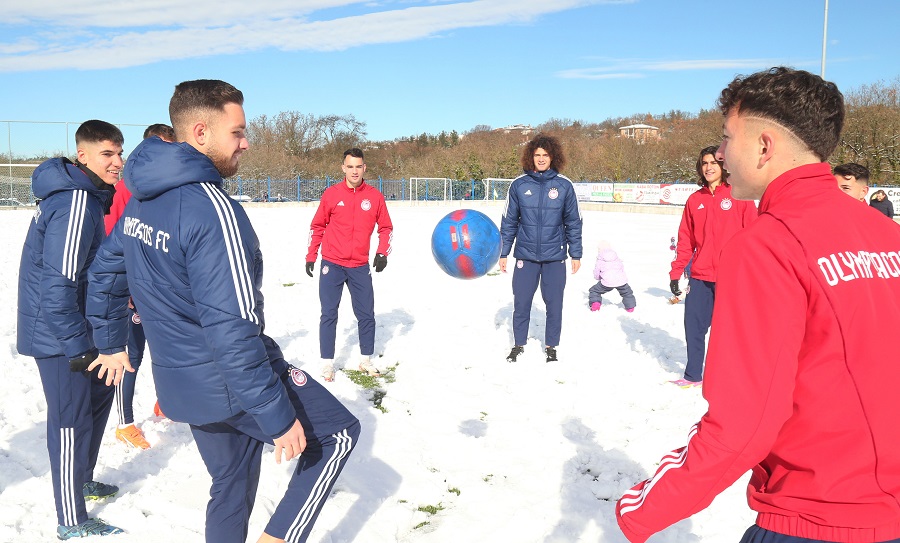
(610, 274)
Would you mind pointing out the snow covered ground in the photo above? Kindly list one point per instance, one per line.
(469, 448)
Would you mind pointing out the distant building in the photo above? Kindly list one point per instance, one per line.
(524, 129)
(639, 132)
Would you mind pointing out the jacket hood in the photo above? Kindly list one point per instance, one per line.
(608, 255)
(550, 173)
(156, 166)
(60, 174)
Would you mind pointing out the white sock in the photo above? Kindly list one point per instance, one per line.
(328, 362)
(363, 359)
(123, 426)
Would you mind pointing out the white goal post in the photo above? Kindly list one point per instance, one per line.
(429, 188)
(496, 188)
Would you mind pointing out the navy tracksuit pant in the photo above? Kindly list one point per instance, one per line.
(698, 310)
(78, 406)
(125, 389)
(755, 534)
(232, 451)
(332, 278)
(527, 275)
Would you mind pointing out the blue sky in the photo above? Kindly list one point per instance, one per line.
(410, 66)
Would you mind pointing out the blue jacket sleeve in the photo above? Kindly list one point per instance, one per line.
(67, 246)
(573, 221)
(509, 224)
(224, 268)
(107, 295)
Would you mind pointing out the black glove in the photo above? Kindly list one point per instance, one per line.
(380, 262)
(309, 268)
(673, 286)
(81, 363)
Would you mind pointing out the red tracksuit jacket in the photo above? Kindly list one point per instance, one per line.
(344, 223)
(802, 375)
(120, 200)
(708, 222)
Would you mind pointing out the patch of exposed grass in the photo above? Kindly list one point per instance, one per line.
(288, 284)
(366, 381)
(453, 490)
(421, 524)
(431, 509)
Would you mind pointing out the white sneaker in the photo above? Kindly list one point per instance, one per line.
(366, 366)
(328, 370)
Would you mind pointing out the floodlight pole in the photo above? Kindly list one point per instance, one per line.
(824, 38)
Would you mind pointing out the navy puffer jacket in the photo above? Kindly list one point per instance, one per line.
(542, 217)
(194, 269)
(60, 245)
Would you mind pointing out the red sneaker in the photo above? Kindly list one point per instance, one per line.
(157, 411)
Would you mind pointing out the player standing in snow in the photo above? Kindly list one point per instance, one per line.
(798, 391)
(61, 243)
(194, 266)
(542, 217)
(710, 218)
(343, 224)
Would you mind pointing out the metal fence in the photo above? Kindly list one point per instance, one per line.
(15, 185)
(417, 188)
(15, 189)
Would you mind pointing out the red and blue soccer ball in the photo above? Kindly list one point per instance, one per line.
(466, 244)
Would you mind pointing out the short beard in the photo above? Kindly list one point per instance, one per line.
(222, 162)
(224, 166)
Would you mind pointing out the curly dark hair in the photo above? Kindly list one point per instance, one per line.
(804, 103)
(711, 150)
(547, 143)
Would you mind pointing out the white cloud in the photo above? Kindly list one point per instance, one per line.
(621, 68)
(175, 13)
(172, 29)
(597, 73)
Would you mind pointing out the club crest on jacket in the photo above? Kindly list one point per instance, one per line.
(298, 377)
(725, 204)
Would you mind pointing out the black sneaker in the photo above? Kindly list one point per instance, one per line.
(551, 354)
(514, 353)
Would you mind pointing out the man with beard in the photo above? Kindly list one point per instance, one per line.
(194, 269)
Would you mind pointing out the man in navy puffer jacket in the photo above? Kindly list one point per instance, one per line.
(61, 243)
(543, 218)
(193, 266)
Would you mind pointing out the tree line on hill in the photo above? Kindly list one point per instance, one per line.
(291, 144)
